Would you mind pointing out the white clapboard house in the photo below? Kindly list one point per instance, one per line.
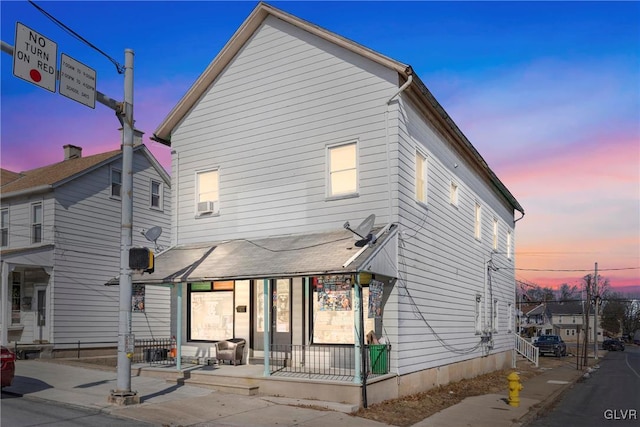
(290, 144)
(60, 237)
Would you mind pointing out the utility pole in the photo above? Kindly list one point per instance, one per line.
(585, 309)
(596, 301)
(123, 394)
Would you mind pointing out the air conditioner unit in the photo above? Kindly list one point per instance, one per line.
(207, 207)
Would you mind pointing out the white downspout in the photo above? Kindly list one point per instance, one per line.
(386, 128)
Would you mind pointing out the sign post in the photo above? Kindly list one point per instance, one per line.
(35, 58)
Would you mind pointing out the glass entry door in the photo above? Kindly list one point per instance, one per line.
(280, 310)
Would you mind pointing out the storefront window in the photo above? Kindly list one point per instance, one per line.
(210, 311)
(333, 316)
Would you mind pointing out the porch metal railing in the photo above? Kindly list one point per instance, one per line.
(329, 362)
(527, 349)
(153, 351)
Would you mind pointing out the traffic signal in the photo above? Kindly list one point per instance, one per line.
(141, 259)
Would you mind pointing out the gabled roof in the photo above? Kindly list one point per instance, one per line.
(51, 176)
(417, 90)
(6, 176)
(567, 307)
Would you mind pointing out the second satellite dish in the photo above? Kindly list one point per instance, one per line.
(152, 234)
(362, 232)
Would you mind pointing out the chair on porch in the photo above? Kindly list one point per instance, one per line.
(231, 350)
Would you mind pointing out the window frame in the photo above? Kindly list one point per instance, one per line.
(198, 193)
(113, 184)
(329, 194)
(477, 225)
(160, 195)
(454, 193)
(221, 288)
(34, 225)
(478, 314)
(4, 227)
(421, 177)
(494, 243)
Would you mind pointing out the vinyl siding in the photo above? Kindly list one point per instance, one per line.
(266, 122)
(442, 264)
(87, 255)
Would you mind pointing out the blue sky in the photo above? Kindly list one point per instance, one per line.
(548, 92)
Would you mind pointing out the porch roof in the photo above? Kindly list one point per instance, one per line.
(273, 257)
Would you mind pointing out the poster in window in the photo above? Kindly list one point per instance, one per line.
(137, 298)
(376, 289)
(333, 293)
(211, 315)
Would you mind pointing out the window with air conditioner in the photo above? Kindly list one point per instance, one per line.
(207, 192)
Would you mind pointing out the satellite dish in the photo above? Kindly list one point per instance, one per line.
(362, 232)
(152, 234)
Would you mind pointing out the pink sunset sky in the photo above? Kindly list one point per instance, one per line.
(548, 93)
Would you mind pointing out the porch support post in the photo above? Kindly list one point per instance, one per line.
(358, 336)
(266, 326)
(6, 305)
(179, 328)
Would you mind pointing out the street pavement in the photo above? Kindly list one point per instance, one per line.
(166, 404)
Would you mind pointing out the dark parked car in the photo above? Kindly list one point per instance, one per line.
(613, 344)
(8, 367)
(551, 344)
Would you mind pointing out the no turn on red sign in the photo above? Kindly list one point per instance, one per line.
(35, 58)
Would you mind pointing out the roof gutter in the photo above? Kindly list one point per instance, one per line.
(28, 191)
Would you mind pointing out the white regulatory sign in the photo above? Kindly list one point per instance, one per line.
(77, 81)
(35, 58)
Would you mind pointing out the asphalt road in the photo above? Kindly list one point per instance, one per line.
(24, 411)
(609, 397)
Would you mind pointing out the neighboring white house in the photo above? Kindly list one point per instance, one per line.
(288, 134)
(565, 319)
(60, 237)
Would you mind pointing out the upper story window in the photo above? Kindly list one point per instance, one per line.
(509, 244)
(453, 193)
(342, 162)
(36, 222)
(421, 177)
(207, 192)
(116, 183)
(478, 222)
(495, 234)
(156, 194)
(4, 227)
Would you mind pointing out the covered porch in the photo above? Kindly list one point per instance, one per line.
(325, 293)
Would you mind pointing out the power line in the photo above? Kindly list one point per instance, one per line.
(119, 67)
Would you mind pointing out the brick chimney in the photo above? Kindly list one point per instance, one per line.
(72, 152)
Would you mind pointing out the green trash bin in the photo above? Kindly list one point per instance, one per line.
(378, 357)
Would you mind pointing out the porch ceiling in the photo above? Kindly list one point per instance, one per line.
(272, 257)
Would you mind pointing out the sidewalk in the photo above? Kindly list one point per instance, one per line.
(166, 404)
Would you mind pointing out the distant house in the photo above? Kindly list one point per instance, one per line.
(292, 137)
(60, 242)
(565, 319)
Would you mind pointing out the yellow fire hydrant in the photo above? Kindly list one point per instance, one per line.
(514, 389)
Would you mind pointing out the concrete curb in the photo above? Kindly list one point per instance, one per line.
(547, 403)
